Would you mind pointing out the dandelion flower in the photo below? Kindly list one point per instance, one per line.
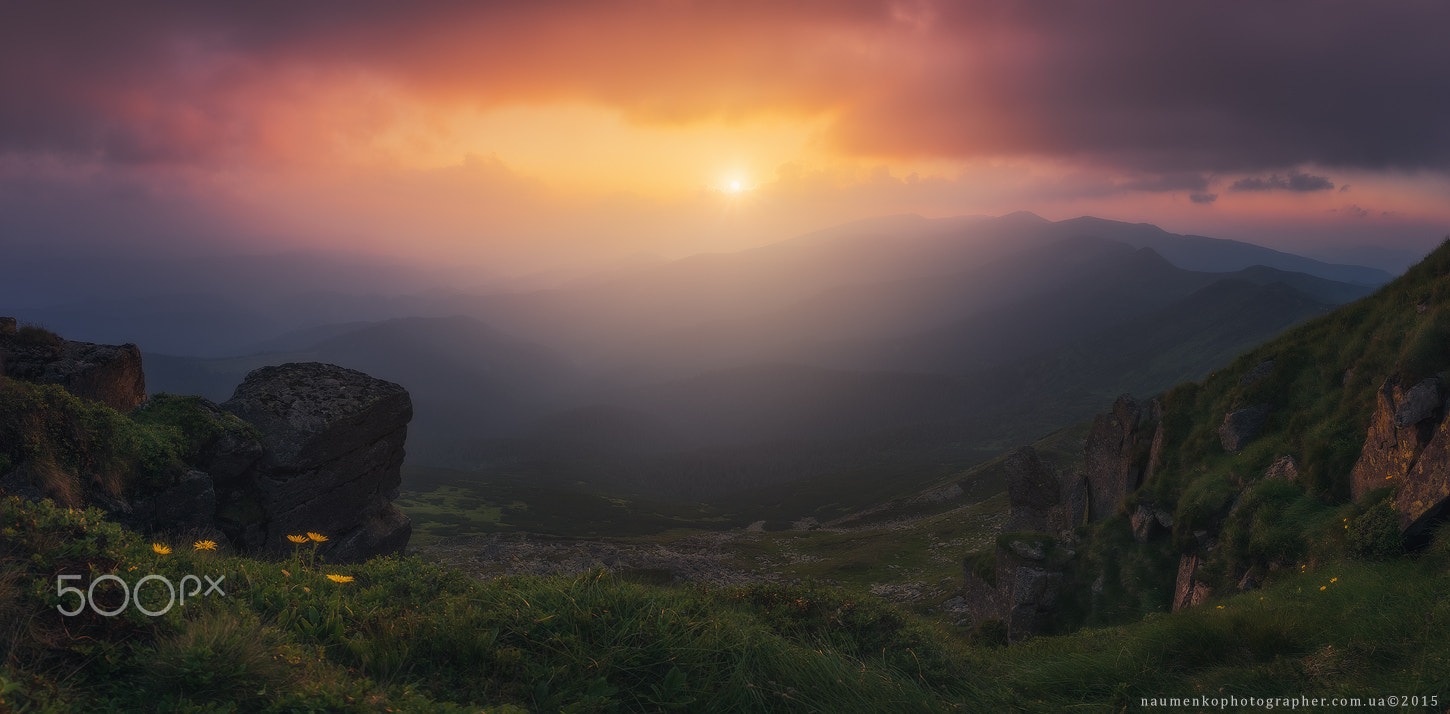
(1334, 580)
(316, 536)
(1321, 587)
(204, 545)
(162, 549)
(1220, 607)
(297, 538)
(340, 578)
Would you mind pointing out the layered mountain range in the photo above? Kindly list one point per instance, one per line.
(899, 339)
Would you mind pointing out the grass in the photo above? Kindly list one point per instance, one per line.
(406, 635)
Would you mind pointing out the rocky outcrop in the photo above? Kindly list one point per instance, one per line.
(1240, 427)
(1400, 428)
(1028, 576)
(1424, 492)
(1040, 499)
(109, 374)
(332, 443)
(1189, 591)
(1111, 471)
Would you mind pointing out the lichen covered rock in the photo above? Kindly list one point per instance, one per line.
(332, 451)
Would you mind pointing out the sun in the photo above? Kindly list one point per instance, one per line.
(735, 187)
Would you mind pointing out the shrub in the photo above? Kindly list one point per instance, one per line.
(1375, 534)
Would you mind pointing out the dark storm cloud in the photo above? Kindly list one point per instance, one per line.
(1297, 182)
(1204, 198)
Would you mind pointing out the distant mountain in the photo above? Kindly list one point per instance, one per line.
(1215, 255)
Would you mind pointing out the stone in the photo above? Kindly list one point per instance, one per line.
(1026, 551)
(1154, 452)
(1242, 426)
(188, 505)
(1074, 504)
(1390, 451)
(1257, 374)
(1111, 474)
(1250, 580)
(1187, 591)
(332, 452)
(1147, 522)
(109, 374)
(232, 453)
(1420, 403)
(1033, 492)
(1284, 467)
(1424, 491)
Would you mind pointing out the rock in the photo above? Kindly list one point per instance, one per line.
(1420, 403)
(1424, 492)
(1148, 521)
(233, 452)
(109, 374)
(1154, 451)
(809, 523)
(1257, 374)
(1284, 467)
(1033, 492)
(1026, 551)
(1242, 426)
(189, 505)
(940, 494)
(1187, 591)
(1027, 587)
(1250, 580)
(1074, 504)
(1389, 451)
(333, 446)
(1111, 474)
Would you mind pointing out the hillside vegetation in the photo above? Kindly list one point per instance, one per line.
(1346, 607)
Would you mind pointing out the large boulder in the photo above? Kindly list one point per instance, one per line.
(332, 450)
(109, 374)
(1111, 472)
(1240, 427)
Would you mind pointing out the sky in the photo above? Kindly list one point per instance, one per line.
(525, 138)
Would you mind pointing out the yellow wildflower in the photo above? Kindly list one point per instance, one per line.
(162, 549)
(1321, 587)
(340, 578)
(297, 538)
(204, 545)
(1220, 607)
(316, 536)
(1334, 580)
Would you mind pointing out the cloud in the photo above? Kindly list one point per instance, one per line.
(1204, 198)
(1136, 85)
(1295, 181)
